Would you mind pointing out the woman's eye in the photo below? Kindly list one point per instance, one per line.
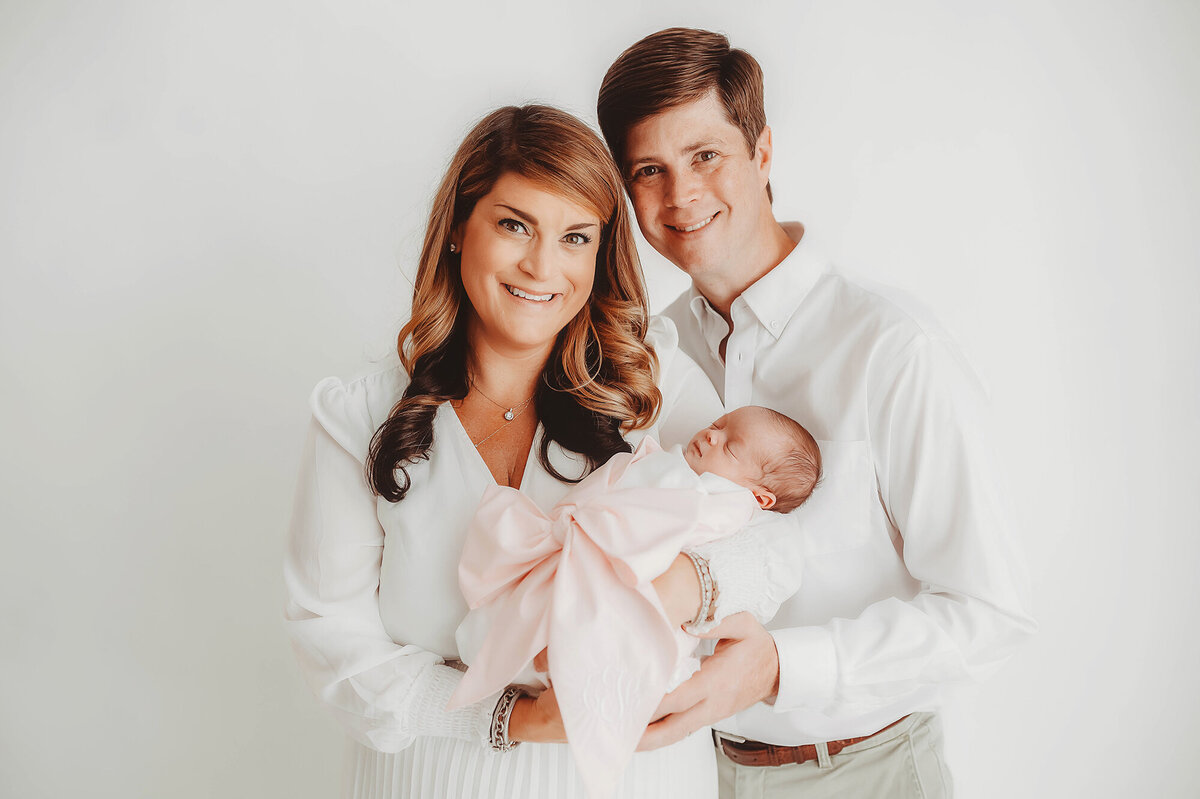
(512, 225)
(577, 238)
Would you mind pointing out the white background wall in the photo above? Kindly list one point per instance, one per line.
(206, 207)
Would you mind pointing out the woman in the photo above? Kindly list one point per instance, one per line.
(532, 361)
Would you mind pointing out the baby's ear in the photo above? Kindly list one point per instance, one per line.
(766, 500)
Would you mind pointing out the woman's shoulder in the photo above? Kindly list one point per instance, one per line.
(663, 338)
(351, 410)
(662, 334)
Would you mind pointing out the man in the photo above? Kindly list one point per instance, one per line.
(909, 582)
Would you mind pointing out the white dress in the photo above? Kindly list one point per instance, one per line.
(374, 601)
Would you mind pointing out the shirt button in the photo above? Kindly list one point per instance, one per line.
(774, 325)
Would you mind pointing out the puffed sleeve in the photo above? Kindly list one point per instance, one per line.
(746, 566)
(383, 693)
(690, 403)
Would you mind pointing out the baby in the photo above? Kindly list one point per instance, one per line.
(577, 580)
(762, 450)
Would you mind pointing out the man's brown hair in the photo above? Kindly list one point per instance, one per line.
(673, 67)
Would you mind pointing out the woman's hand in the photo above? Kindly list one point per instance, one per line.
(537, 719)
(678, 590)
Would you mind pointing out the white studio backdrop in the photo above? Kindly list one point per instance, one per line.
(206, 207)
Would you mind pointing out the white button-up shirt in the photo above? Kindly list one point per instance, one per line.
(910, 575)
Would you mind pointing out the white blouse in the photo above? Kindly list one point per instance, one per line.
(373, 597)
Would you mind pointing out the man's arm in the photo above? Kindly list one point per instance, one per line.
(934, 466)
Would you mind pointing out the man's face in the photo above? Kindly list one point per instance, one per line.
(699, 194)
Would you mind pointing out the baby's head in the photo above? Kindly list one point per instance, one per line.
(765, 451)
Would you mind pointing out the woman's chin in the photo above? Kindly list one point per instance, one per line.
(518, 343)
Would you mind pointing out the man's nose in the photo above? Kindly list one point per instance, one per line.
(682, 189)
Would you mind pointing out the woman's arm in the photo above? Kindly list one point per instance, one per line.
(383, 693)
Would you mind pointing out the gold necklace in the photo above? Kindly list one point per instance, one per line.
(509, 413)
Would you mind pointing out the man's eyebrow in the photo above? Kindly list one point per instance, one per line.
(525, 217)
(703, 144)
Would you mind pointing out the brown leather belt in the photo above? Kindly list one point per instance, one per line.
(753, 753)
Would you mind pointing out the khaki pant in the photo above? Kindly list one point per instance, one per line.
(902, 761)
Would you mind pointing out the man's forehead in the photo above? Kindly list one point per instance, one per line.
(682, 129)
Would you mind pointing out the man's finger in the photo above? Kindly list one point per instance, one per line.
(735, 626)
(673, 728)
(685, 696)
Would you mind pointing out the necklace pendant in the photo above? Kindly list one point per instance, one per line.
(509, 415)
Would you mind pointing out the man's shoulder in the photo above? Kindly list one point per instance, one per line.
(878, 309)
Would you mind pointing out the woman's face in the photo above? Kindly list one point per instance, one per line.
(528, 263)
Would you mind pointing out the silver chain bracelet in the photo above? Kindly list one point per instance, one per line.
(704, 575)
(508, 700)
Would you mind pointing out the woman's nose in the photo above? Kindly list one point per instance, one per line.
(538, 262)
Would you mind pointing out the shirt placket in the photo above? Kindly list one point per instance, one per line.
(739, 356)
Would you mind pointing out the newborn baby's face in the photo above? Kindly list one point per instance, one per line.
(735, 447)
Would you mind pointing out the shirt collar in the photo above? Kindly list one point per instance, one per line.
(775, 296)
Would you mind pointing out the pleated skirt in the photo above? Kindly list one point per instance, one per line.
(447, 768)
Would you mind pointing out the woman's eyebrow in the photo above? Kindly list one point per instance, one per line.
(524, 217)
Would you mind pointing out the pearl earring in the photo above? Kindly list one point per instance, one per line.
(453, 247)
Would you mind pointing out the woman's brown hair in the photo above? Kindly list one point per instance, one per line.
(598, 379)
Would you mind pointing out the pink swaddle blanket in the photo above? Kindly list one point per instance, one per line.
(577, 580)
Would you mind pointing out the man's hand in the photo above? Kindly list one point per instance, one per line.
(743, 670)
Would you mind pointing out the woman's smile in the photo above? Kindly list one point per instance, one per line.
(528, 295)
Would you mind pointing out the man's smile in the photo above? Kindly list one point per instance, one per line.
(692, 228)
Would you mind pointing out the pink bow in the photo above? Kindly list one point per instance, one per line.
(577, 580)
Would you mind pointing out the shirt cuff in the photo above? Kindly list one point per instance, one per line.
(736, 565)
(427, 713)
(807, 668)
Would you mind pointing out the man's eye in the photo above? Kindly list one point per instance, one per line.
(707, 155)
(513, 226)
(647, 171)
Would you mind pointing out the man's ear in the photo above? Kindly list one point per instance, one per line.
(766, 499)
(764, 154)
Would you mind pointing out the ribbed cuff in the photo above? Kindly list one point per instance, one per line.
(427, 714)
(807, 668)
(738, 567)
